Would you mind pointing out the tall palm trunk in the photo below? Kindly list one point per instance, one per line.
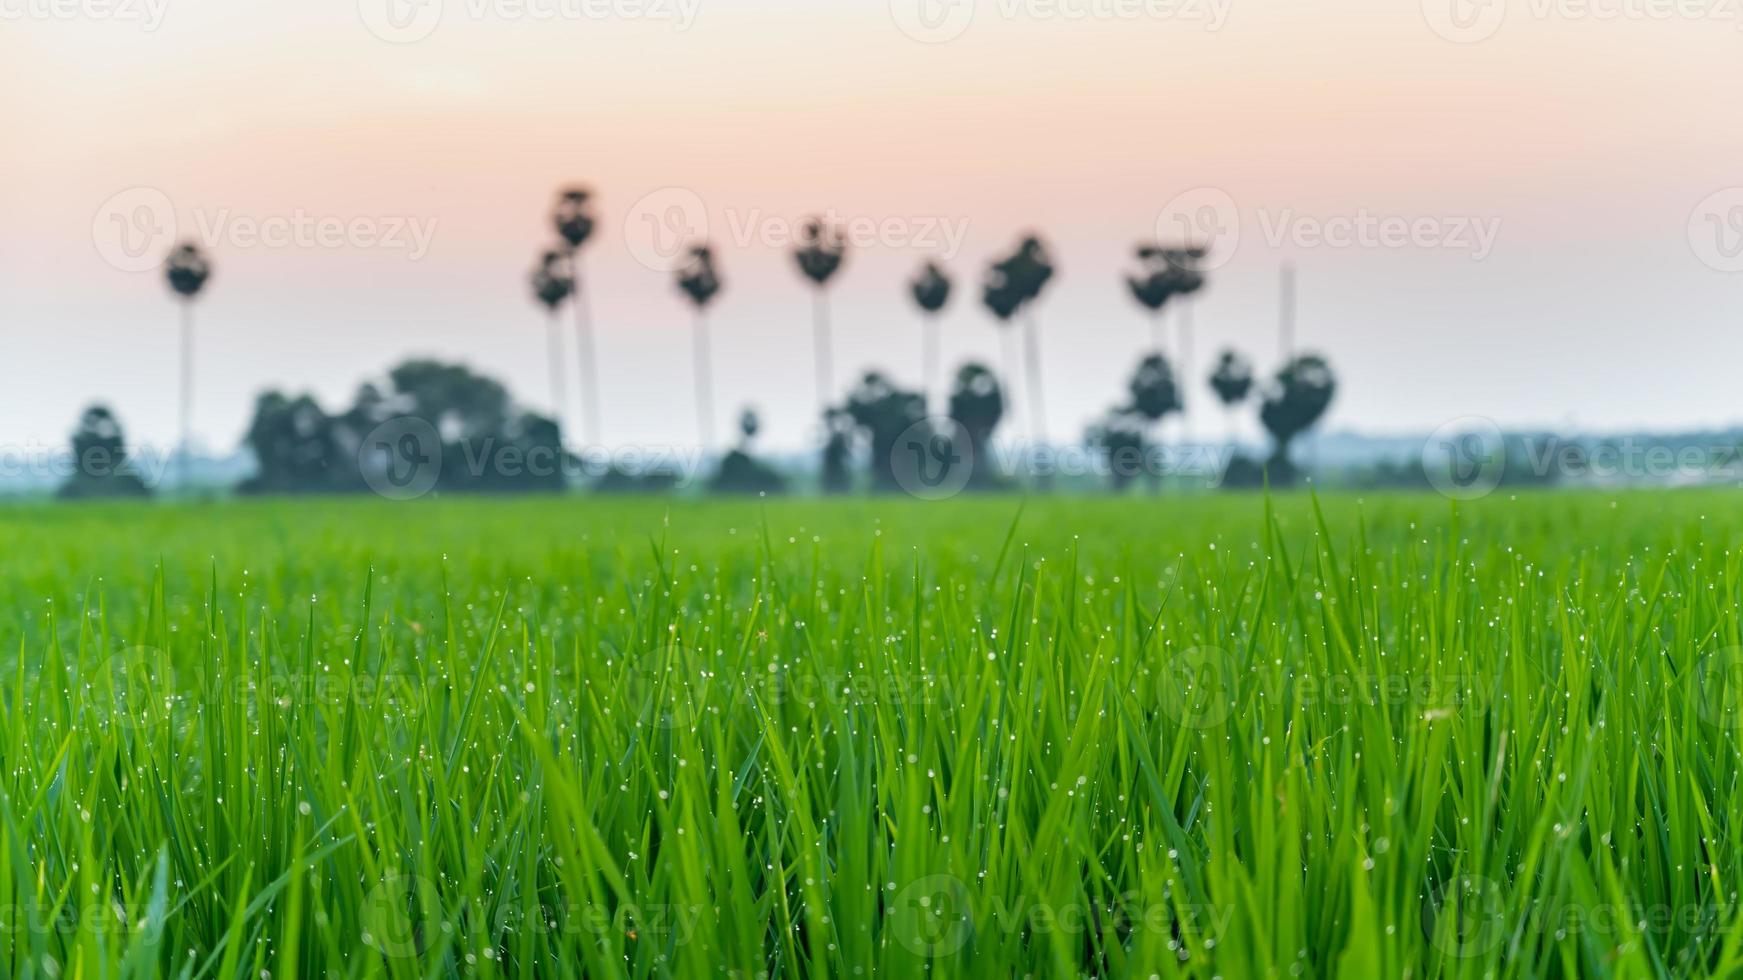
(704, 383)
(554, 358)
(1032, 353)
(1008, 347)
(929, 357)
(825, 356)
(187, 395)
(584, 355)
(1158, 333)
(1187, 372)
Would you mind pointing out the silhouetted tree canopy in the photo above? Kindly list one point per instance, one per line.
(977, 404)
(742, 473)
(1233, 378)
(1165, 272)
(699, 279)
(837, 474)
(1296, 401)
(573, 216)
(1119, 436)
(1154, 393)
(187, 270)
(101, 467)
(1025, 273)
(820, 251)
(932, 288)
(552, 281)
(883, 412)
(487, 445)
(1002, 299)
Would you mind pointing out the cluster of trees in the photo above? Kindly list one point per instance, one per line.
(302, 448)
(484, 443)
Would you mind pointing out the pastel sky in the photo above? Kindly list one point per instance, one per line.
(1549, 187)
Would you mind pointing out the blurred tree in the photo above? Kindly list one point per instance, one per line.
(1295, 403)
(820, 253)
(840, 434)
(1153, 390)
(883, 412)
(187, 270)
(977, 404)
(1169, 273)
(1232, 381)
(742, 473)
(1003, 300)
(487, 444)
(1120, 438)
(101, 467)
(931, 290)
(701, 282)
(573, 218)
(295, 449)
(553, 282)
(1022, 277)
(1152, 288)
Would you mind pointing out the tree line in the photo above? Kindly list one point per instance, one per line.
(299, 447)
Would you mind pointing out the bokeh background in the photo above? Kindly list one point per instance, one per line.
(1596, 139)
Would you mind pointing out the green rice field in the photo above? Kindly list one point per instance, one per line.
(1177, 736)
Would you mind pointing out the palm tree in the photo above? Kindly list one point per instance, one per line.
(931, 291)
(573, 219)
(1187, 279)
(1300, 396)
(1152, 289)
(977, 403)
(552, 284)
(1232, 381)
(1154, 395)
(820, 254)
(187, 269)
(1003, 300)
(1024, 275)
(700, 281)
